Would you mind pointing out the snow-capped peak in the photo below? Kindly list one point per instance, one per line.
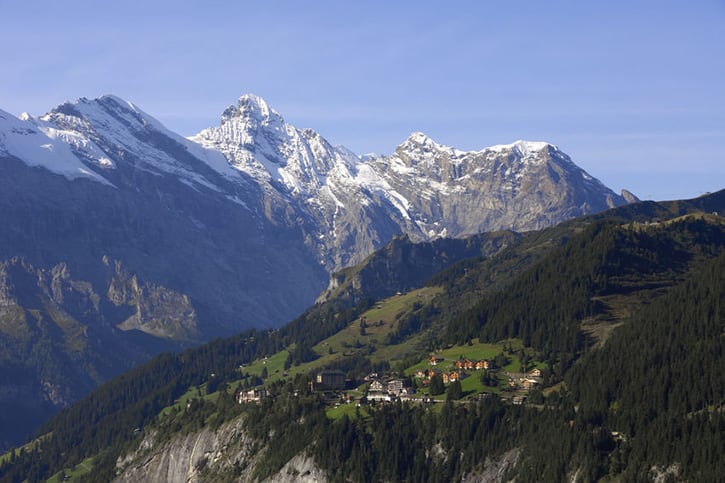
(38, 145)
(420, 147)
(522, 147)
(117, 100)
(418, 140)
(256, 140)
(108, 129)
(108, 111)
(424, 188)
(251, 107)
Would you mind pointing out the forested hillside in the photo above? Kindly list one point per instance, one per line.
(622, 314)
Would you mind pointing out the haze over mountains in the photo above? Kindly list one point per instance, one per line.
(121, 236)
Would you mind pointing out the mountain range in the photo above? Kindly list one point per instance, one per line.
(226, 203)
(121, 237)
(603, 336)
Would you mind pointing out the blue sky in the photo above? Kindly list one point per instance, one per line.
(633, 91)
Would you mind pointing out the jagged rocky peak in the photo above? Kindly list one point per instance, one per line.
(249, 133)
(419, 148)
(523, 153)
(252, 108)
(419, 139)
(420, 144)
(422, 155)
(255, 139)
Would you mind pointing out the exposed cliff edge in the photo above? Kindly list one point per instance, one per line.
(225, 454)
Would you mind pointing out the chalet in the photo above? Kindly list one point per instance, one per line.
(420, 373)
(330, 380)
(483, 364)
(535, 373)
(376, 386)
(254, 395)
(529, 383)
(435, 360)
(395, 386)
(446, 377)
(465, 364)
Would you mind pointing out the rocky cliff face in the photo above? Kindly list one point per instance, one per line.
(61, 336)
(424, 189)
(227, 454)
(521, 186)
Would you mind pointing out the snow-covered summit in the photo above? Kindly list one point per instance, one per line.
(108, 130)
(346, 205)
(420, 149)
(426, 187)
(37, 144)
(522, 147)
(420, 139)
(420, 145)
(255, 140)
(252, 108)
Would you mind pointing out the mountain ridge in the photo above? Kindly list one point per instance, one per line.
(244, 229)
(346, 205)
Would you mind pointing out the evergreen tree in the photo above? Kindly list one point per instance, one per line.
(454, 392)
(436, 386)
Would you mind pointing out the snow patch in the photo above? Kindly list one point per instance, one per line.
(25, 141)
(520, 146)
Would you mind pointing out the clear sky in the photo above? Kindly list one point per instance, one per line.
(633, 91)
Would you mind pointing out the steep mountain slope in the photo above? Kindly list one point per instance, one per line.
(259, 187)
(674, 266)
(402, 265)
(425, 190)
(660, 274)
(59, 336)
(521, 186)
(192, 240)
(170, 211)
(301, 169)
(607, 426)
(157, 240)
